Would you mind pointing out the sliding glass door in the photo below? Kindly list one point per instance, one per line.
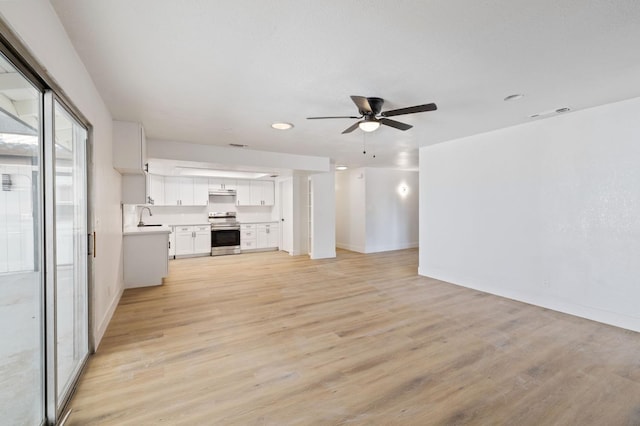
(71, 310)
(22, 347)
(44, 262)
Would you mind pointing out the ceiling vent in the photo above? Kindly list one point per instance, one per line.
(238, 145)
(550, 112)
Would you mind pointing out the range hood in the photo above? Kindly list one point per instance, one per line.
(217, 192)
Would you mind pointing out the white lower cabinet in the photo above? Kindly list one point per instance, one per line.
(145, 259)
(259, 236)
(192, 240)
(202, 239)
(247, 236)
(268, 235)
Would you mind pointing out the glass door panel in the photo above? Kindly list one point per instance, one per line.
(21, 264)
(71, 298)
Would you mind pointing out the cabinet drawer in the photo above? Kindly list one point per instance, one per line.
(247, 244)
(247, 235)
(203, 228)
(184, 228)
(248, 227)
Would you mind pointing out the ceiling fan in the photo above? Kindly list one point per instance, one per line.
(372, 116)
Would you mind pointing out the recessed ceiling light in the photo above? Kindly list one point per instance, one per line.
(341, 167)
(282, 126)
(514, 97)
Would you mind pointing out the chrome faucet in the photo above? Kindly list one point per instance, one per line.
(140, 222)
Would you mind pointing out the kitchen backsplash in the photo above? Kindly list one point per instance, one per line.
(192, 215)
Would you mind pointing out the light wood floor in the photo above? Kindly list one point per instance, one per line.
(269, 339)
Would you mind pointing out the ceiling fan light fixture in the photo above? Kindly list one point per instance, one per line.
(369, 125)
(282, 126)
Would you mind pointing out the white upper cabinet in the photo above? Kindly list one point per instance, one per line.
(155, 190)
(255, 193)
(178, 191)
(222, 184)
(200, 191)
(184, 191)
(129, 147)
(262, 193)
(268, 193)
(243, 194)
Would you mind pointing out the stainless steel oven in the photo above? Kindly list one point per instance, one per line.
(225, 233)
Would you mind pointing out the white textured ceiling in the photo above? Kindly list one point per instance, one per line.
(220, 72)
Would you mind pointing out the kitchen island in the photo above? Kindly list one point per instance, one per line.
(145, 255)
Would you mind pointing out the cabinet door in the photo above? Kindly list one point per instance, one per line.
(243, 193)
(129, 147)
(171, 191)
(184, 240)
(262, 239)
(200, 191)
(256, 193)
(155, 188)
(268, 193)
(187, 196)
(267, 236)
(273, 239)
(215, 184)
(202, 242)
(262, 193)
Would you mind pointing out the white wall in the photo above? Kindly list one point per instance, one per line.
(323, 223)
(38, 26)
(547, 213)
(391, 209)
(376, 209)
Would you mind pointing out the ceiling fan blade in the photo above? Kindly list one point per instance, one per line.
(362, 103)
(396, 124)
(352, 127)
(410, 110)
(322, 118)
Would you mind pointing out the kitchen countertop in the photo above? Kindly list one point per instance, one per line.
(144, 230)
(258, 222)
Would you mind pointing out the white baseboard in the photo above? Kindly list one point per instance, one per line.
(99, 331)
(544, 301)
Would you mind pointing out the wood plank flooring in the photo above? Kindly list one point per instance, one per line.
(270, 339)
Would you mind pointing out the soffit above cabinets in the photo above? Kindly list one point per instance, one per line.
(194, 169)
